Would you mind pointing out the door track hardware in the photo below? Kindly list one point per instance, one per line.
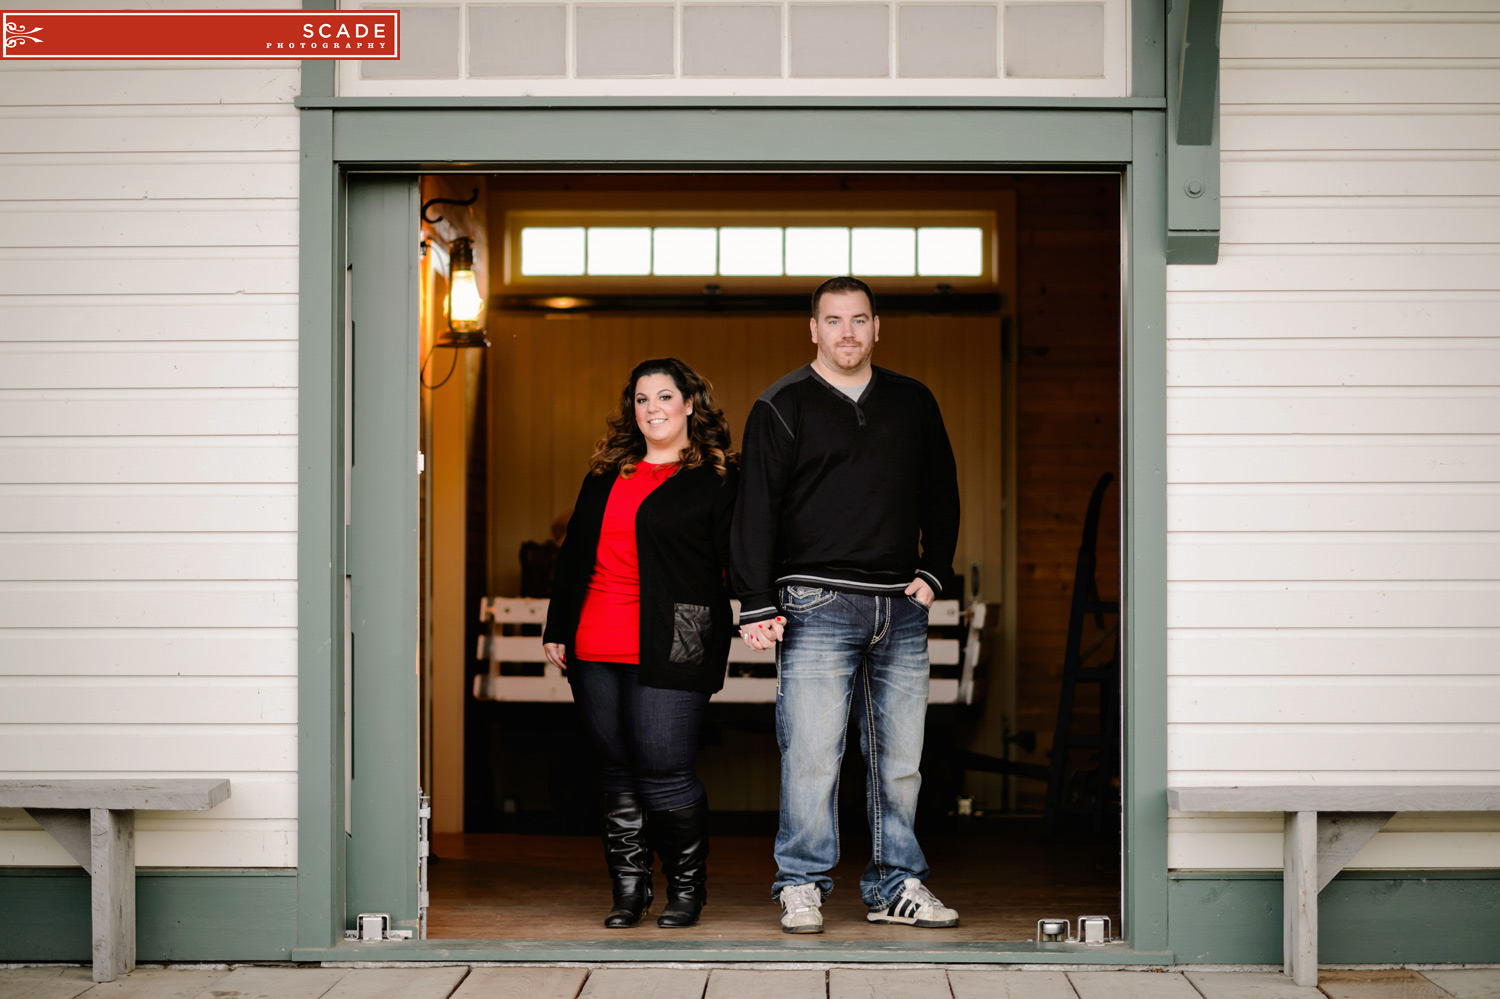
(1092, 930)
(375, 927)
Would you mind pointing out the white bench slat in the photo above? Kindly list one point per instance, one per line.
(552, 686)
(175, 794)
(1339, 798)
(528, 649)
(533, 610)
(737, 689)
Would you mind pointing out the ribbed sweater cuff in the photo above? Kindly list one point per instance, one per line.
(760, 607)
(932, 580)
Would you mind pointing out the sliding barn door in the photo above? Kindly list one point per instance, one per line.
(382, 546)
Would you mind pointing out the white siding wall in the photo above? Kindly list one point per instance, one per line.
(1334, 421)
(148, 406)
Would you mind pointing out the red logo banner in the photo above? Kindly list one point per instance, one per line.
(200, 34)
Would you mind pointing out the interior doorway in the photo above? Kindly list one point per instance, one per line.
(1024, 359)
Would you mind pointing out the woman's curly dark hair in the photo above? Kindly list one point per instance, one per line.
(623, 446)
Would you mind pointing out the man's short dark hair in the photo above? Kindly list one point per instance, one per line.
(842, 286)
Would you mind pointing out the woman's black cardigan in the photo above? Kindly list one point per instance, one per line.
(682, 545)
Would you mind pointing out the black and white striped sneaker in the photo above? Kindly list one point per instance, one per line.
(915, 906)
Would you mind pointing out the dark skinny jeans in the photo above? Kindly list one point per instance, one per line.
(647, 736)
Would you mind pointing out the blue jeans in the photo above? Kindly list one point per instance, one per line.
(846, 651)
(647, 736)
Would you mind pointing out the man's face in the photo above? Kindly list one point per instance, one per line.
(844, 331)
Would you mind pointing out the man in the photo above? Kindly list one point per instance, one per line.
(845, 468)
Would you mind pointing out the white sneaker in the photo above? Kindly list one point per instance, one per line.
(801, 909)
(915, 906)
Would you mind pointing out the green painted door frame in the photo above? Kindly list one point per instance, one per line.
(343, 139)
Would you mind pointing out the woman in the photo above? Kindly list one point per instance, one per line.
(640, 622)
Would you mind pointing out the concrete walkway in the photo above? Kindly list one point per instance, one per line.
(865, 982)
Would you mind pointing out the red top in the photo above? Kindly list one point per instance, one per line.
(609, 626)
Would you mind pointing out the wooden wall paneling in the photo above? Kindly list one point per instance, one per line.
(581, 363)
(1067, 427)
(448, 411)
(1064, 266)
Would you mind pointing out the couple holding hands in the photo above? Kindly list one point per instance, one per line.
(836, 526)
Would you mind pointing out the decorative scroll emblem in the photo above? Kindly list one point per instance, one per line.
(19, 34)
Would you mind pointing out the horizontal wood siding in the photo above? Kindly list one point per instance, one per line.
(148, 406)
(1334, 427)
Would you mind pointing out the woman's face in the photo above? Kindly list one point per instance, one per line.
(661, 412)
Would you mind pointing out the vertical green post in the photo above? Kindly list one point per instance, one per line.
(1148, 54)
(1145, 471)
(320, 556)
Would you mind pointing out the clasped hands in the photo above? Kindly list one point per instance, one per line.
(764, 635)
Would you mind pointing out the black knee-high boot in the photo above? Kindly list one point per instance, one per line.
(628, 856)
(680, 836)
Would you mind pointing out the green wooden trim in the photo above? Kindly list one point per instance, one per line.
(646, 138)
(313, 100)
(318, 75)
(1197, 79)
(1193, 157)
(790, 949)
(320, 556)
(1192, 247)
(1364, 917)
(317, 81)
(1148, 57)
(181, 915)
(382, 547)
(1144, 469)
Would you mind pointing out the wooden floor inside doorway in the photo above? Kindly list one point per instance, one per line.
(511, 886)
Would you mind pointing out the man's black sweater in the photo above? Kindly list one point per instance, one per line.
(838, 493)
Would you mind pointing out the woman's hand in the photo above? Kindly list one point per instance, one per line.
(556, 654)
(763, 635)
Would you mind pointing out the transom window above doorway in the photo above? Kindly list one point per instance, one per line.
(735, 247)
(752, 251)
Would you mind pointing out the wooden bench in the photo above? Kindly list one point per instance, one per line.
(498, 648)
(1325, 826)
(94, 820)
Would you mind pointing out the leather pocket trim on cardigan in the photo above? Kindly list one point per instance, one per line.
(691, 624)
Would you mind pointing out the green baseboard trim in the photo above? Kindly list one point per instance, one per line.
(793, 949)
(181, 915)
(1364, 917)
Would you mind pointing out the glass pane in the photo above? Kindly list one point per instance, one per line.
(551, 251)
(950, 252)
(817, 252)
(749, 251)
(619, 251)
(885, 252)
(685, 251)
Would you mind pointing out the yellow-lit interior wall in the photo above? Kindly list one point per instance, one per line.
(553, 380)
(447, 420)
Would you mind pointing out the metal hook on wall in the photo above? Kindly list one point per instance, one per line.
(446, 201)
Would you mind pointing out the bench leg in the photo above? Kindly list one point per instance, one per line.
(112, 866)
(1300, 897)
